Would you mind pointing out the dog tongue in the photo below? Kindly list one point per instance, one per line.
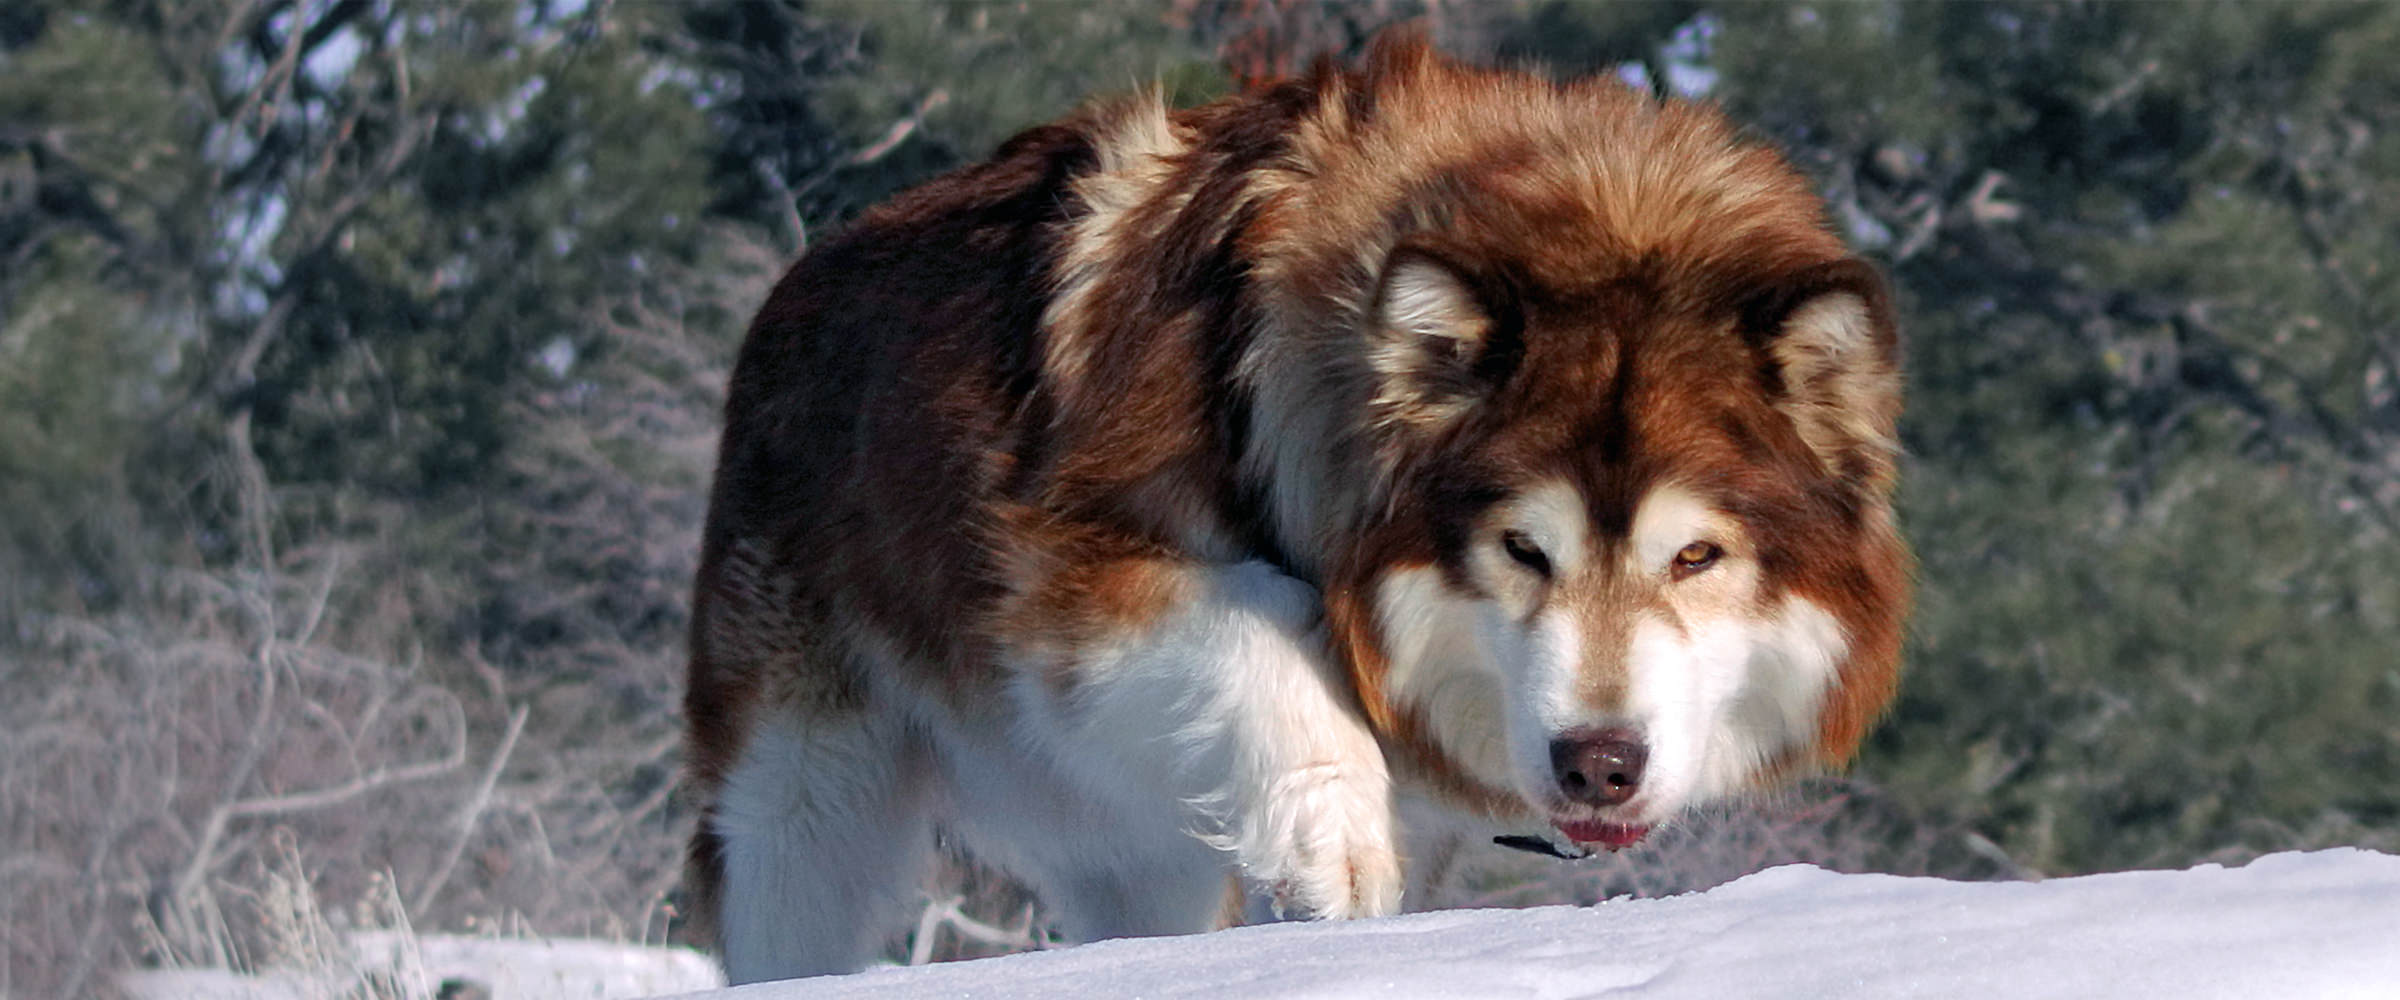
(1615, 836)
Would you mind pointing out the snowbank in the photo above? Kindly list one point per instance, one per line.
(509, 968)
(2316, 925)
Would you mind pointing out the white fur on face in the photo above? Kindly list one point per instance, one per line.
(1723, 685)
(1672, 517)
(1492, 678)
(1716, 684)
(1718, 700)
(1543, 660)
(1795, 657)
(1552, 519)
(1440, 665)
(1536, 638)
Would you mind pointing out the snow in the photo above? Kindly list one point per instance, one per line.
(2317, 925)
(510, 968)
(2324, 924)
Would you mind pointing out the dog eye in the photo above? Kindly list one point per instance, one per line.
(1695, 557)
(1521, 548)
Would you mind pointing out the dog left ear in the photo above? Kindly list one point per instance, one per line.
(1831, 357)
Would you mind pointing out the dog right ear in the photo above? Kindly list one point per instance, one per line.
(1832, 358)
(1438, 347)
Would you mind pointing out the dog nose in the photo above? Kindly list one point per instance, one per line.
(1598, 767)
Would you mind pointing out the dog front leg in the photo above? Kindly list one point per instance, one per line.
(1208, 691)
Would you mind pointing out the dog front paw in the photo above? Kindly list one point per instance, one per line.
(1324, 843)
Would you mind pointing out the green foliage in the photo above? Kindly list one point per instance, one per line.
(2103, 682)
(75, 369)
(1576, 39)
(834, 106)
(1004, 67)
(550, 176)
(2150, 408)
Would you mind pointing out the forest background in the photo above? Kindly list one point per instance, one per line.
(359, 362)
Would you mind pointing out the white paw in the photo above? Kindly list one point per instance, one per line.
(1307, 806)
(1323, 842)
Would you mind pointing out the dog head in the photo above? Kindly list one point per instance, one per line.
(1645, 557)
(1624, 411)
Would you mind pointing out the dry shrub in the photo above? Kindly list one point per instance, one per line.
(614, 466)
(149, 753)
(330, 682)
(972, 911)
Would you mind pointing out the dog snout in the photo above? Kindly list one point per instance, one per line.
(1598, 767)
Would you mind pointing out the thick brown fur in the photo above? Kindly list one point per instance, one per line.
(988, 423)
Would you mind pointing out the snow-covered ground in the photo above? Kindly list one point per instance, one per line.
(2317, 925)
(417, 966)
(2286, 927)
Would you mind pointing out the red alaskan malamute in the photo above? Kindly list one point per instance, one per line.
(1159, 506)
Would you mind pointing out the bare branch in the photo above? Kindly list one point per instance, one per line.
(900, 130)
(204, 855)
(473, 811)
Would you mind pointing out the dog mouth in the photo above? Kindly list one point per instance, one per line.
(1583, 838)
(1602, 833)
